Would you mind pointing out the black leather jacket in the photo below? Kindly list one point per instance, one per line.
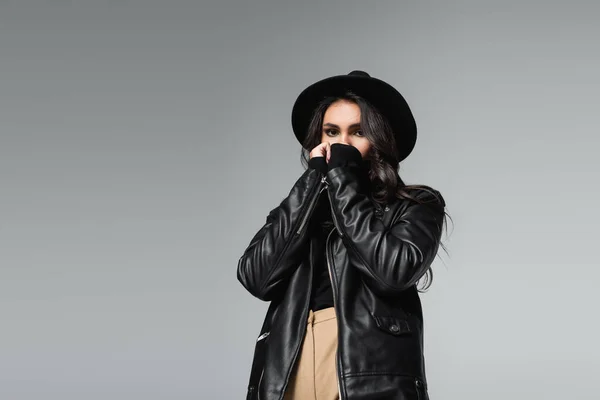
(375, 256)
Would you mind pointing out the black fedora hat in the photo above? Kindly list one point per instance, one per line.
(384, 97)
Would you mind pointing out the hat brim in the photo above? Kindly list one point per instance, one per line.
(384, 97)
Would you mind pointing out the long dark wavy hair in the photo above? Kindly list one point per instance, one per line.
(384, 179)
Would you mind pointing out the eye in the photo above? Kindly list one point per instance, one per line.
(359, 133)
(327, 132)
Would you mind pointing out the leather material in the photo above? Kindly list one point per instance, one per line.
(375, 256)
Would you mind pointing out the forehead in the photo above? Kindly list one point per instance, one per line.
(342, 112)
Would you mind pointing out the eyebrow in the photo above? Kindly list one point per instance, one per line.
(336, 126)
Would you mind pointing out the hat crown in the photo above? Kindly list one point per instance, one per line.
(359, 73)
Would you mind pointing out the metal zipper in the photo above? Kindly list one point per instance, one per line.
(335, 221)
(261, 337)
(311, 207)
(258, 386)
(334, 287)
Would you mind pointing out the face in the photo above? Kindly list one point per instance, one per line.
(341, 124)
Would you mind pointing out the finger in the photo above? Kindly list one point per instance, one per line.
(323, 148)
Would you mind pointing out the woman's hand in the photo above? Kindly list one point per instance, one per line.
(321, 150)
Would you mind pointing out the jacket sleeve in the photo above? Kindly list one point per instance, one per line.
(318, 163)
(277, 248)
(390, 259)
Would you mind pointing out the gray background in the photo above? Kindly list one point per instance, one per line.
(143, 144)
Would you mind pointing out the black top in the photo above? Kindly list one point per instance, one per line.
(321, 224)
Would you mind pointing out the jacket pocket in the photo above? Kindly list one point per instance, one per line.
(421, 389)
(391, 324)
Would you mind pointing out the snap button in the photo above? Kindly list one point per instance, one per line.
(418, 383)
(394, 325)
(387, 208)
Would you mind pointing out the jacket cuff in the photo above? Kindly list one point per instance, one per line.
(342, 155)
(318, 163)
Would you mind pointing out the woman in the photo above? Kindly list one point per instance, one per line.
(339, 258)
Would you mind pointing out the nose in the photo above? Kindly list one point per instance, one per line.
(343, 138)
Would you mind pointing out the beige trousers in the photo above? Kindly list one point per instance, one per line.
(314, 375)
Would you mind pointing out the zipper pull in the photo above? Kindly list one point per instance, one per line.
(324, 181)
